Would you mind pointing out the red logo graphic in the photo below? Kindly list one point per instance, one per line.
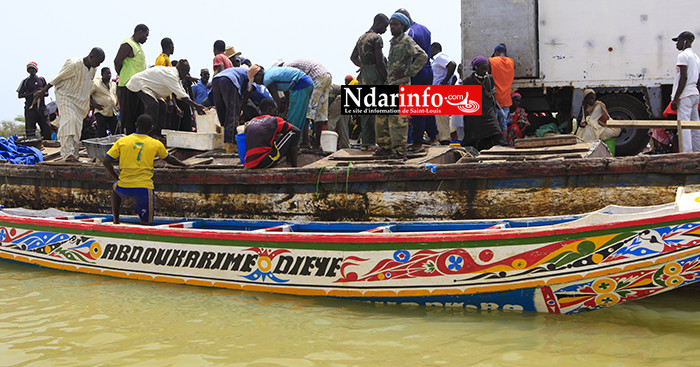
(440, 100)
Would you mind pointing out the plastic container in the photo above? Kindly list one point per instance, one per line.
(98, 147)
(207, 123)
(329, 141)
(196, 141)
(240, 142)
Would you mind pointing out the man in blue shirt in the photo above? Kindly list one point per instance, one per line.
(228, 93)
(201, 89)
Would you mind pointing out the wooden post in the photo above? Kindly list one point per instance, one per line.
(680, 136)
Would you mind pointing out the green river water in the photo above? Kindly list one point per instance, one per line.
(55, 318)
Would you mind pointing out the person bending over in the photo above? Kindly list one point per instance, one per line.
(269, 137)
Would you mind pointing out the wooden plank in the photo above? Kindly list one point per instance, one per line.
(199, 161)
(653, 124)
(546, 141)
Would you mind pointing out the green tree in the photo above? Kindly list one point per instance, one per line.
(9, 128)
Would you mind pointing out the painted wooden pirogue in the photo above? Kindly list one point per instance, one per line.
(369, 192)
(564, 264)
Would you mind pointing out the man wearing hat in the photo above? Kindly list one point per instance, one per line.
(233, 56)
(34, 113)
(685, 95)
(405, 60)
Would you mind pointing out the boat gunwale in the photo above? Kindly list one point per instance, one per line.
(432, 237)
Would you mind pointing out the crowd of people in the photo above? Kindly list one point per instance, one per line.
(302, 90)
(279, 104)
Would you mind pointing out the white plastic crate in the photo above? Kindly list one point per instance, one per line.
(197, 141)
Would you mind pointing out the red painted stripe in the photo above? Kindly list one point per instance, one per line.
(397, 237)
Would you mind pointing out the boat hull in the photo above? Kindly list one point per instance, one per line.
(556, 270)
(367, 193)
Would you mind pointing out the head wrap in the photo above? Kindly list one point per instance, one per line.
(500, 48)
(479, 60)
(32, 65)
(401, 18)
(515, 94)
(587, 91)
(251, 75)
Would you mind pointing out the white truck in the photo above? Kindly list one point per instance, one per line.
(620, 48)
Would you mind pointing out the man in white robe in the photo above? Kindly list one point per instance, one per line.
(73, 86)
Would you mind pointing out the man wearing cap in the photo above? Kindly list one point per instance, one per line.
(221, 62)
(406, 59)
(73, 86)
(368, 56)
(685, 94)
(34, 112)
(503, 71)
(130, 60)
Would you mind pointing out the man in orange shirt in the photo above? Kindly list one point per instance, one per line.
(503, 71)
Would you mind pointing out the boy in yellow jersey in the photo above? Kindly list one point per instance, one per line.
(136, 153)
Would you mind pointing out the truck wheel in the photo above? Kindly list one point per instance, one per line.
(626, 107)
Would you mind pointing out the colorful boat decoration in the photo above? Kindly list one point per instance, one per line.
(563, 264)
(366, 192)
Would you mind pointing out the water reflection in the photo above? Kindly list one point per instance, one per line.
(61, 319)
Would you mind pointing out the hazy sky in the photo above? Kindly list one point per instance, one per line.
(49, 32)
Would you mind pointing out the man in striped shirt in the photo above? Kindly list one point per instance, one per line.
(73, 87)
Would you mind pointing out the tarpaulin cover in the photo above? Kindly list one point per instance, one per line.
(19, 154)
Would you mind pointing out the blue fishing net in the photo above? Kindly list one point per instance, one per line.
(17, 153)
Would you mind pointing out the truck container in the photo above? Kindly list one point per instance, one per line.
(622, 49)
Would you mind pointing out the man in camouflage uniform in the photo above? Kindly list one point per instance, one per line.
(406, 59)
(368, 56)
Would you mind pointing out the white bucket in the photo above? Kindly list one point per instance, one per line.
(329, 141)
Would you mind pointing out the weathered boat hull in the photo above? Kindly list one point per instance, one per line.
(356, 192)
(559, 268)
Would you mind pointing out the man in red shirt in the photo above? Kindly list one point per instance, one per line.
(269, 137)
(503, 71)
(221, 62)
